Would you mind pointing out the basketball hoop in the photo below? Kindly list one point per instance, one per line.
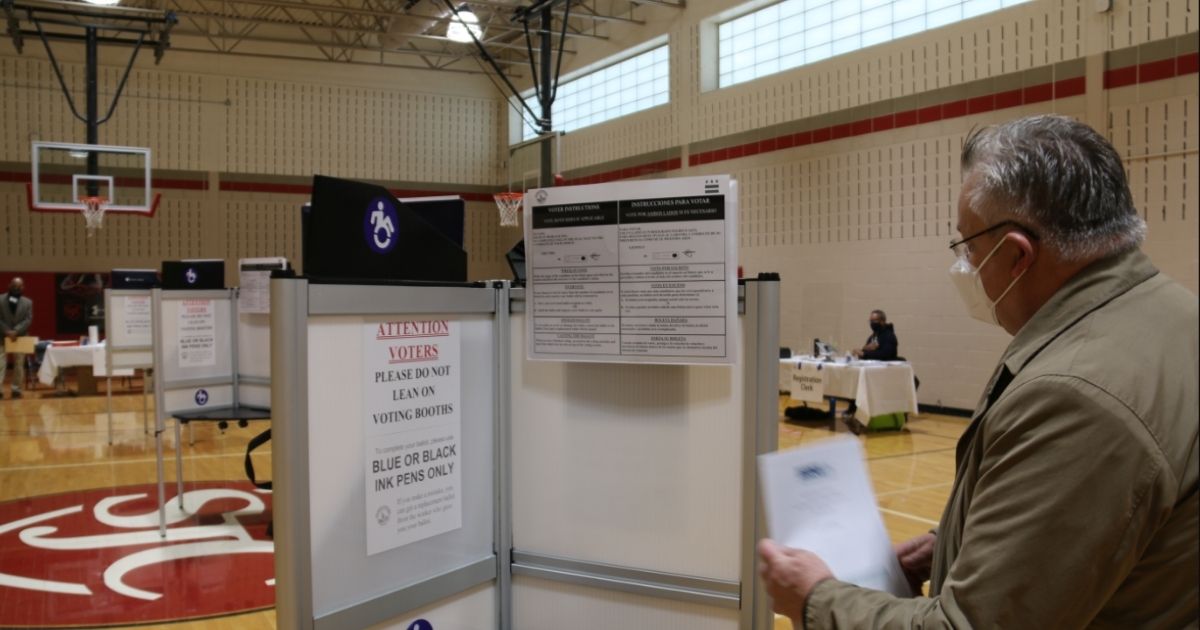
(509, 204)
(93, 212)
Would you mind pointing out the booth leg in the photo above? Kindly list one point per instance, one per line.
(178, 465)
(145, 403)
(162, 499)
(108, 387)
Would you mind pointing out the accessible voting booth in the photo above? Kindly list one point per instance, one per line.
(588, 496)
(211, 359)
(429, 473)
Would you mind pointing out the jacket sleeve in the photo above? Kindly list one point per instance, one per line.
(888, 345)
(22, 326)
(1068, 496)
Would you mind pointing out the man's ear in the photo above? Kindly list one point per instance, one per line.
(1027, 252)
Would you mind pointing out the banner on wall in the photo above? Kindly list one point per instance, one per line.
(79, 302)
(633, 272)
(413, 425)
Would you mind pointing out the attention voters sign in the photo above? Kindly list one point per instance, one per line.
(412, 405)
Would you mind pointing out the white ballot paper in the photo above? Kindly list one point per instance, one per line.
(817, 497)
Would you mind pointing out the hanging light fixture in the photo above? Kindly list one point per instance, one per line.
(462, 27)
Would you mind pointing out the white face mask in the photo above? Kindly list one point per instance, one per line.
(970, 288)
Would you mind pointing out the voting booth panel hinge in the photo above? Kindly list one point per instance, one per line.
(289, 442)
(502, 430)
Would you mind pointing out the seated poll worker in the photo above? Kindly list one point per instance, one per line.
(882, 345)
(1075, 501)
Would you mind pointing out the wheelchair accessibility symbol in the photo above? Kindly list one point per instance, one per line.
(201, 397)
(380, 224)
(420, 624)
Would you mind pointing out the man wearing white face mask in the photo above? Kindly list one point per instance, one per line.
(1075, 502)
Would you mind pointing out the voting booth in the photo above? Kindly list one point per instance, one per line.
(577, 453)
(509, 493)
(129, 340)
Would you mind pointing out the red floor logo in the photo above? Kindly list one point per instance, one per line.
(95, 557)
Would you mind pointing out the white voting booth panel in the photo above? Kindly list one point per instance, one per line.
(549, 605)
(177, 374)
(632, 502)
(327, 577)
(471, 610)
(254, 359)
(632, 465)
(594, 496)
(347, 575)
(254, 330)
(129, 342)
(128, 328)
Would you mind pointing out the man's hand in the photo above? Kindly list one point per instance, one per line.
(871, 347)
(857, 353)
(916, 559)
(12, 334)
(790, 575)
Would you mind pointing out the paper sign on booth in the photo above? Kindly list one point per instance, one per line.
(197, 333)
(633, 272)
(137, 318)
(413, 425)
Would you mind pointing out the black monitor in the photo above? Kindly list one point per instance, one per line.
(193, 274)
(134, 278)
(356, 230)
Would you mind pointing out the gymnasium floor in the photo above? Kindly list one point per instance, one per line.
(55, 447)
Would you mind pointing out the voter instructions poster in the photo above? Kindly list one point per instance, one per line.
(633, 272)
(136, 318)
(197, 333)
(413, 425)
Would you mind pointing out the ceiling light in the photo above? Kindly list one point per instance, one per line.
(103, 3)
(79, 155)
(464, 26)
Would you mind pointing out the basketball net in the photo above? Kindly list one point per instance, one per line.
(509, 204)
(93, 213)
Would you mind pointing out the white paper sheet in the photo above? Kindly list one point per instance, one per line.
(818, 497)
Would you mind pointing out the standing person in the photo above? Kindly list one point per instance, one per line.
(16, 314)
(882, 345)
(1075, 502)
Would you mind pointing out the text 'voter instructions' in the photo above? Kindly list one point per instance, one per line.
(633, 272)
(413, 424)
(818, 497)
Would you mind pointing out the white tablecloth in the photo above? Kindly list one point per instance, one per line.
(59, 357)
(877, 387)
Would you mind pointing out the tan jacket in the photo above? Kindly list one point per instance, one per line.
(1075, 501)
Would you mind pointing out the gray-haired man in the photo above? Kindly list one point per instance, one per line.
(1075, 499)
(16, 314)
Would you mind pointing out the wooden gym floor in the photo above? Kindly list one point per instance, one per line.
(53, 444)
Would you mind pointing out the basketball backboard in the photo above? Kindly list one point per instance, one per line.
(63, 173)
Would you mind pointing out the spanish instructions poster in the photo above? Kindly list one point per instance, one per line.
(412, 453)
(633, 272)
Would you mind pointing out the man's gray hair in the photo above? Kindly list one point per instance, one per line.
(1058, 177)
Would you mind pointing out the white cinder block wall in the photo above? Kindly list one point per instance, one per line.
(863, 222)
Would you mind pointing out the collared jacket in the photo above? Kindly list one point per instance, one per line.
(15, 319)
(1075, 497)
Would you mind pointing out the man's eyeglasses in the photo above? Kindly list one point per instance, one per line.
(961, 249)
